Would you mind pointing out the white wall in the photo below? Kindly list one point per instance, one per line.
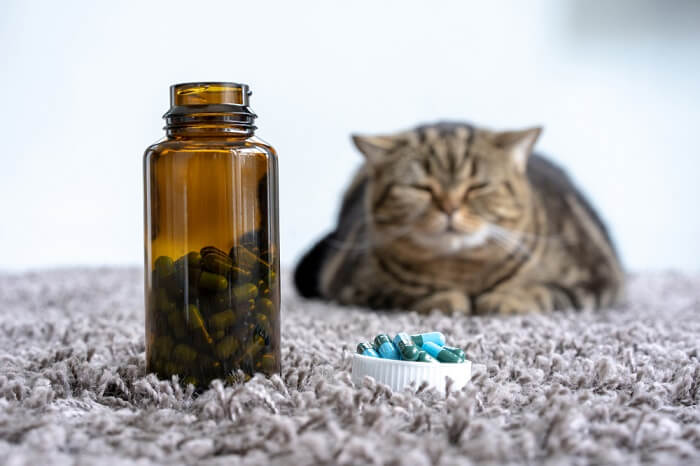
(83, 87)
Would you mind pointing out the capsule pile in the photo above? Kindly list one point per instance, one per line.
(211, 313)
(424, 347)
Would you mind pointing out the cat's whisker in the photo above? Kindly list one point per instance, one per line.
(509, 240)
(513, 246)
(523, 234)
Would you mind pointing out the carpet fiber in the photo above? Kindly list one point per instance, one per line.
(617, 386)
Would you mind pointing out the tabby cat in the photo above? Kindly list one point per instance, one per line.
(465, 220)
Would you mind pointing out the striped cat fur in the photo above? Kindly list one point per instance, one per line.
(463, 219)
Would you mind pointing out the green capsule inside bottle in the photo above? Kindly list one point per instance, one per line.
(222, 320)
(164, 266)
(212, 281)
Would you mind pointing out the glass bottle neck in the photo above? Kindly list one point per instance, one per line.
(209, 110)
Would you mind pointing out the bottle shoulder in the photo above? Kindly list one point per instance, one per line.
(258, 142)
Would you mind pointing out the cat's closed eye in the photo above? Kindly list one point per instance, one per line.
(411, 194)
(478, 189)
(423, 188)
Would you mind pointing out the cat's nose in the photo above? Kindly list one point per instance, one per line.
(449, 206)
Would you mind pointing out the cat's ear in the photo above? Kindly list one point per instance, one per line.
(518, 144)
(375, 148)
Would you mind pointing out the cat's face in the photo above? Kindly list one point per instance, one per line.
(447, 187)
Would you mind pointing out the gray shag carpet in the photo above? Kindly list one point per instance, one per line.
(616, 386)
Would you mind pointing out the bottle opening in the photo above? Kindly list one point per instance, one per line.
(209, 93)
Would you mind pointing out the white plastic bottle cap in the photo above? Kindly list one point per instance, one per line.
(399, 374)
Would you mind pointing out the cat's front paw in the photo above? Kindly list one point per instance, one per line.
(452, 302)
(516, 301)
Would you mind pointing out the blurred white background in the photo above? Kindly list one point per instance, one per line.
(84, 85)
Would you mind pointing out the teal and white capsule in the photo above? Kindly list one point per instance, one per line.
(407, 349)
(436, 337)
(385, 348)
(439, 353)
(459, 352)
(423, 356)
(367, 349)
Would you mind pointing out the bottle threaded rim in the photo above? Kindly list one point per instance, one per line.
(209, 93)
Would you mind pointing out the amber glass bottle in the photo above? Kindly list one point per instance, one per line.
(211, 240)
